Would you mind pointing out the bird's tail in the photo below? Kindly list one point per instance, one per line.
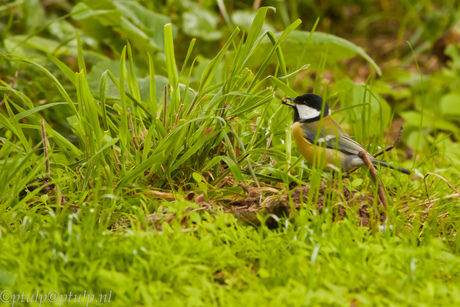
(381, 163)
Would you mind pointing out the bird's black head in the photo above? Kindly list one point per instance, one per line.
(307, 107)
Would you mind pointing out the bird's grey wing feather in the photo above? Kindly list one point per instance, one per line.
(342, 142)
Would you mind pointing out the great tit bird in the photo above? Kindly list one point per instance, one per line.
(321, 140)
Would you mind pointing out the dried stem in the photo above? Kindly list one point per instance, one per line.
(382, 197)
(430, 202)
(256, 5)
(116, 158)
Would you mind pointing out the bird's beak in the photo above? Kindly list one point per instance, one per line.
(285, 99)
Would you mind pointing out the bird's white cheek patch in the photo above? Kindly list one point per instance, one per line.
(305, 112)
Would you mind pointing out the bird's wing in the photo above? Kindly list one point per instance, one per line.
(341, 142)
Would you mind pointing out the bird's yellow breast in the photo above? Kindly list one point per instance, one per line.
(315, 155)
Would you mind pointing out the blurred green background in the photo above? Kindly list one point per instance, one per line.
(415, 43)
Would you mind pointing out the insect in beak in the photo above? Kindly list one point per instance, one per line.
(285, 99)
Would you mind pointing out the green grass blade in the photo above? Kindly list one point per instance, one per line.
(59, 86)
(103, 89)
(286, 32)
(171, 63)
(132, 80)
(253, 34)
(70, 74)
(210, 70)
(233, 167)
(152, 91)
(81, 58)
(123, 129)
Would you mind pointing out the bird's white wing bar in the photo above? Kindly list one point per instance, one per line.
(326, 138)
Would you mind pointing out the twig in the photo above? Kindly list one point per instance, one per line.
(12, 85)
(382, 197)
(430, 202)
(45, 148)
(165, 106)
(116, 158)
(256, 5)
(396, 141)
